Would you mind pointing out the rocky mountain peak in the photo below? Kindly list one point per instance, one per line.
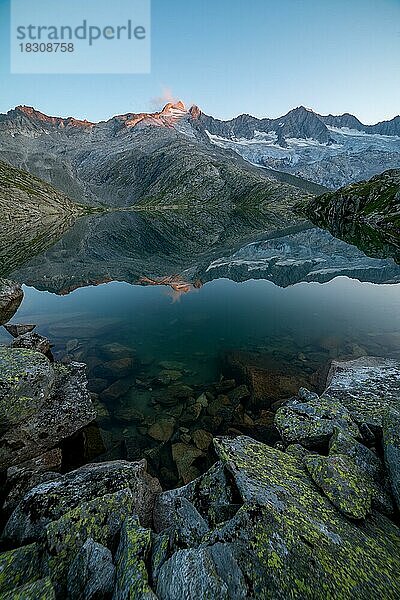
(35, 115)
(195, 112)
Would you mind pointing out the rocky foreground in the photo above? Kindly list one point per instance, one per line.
(316, 516)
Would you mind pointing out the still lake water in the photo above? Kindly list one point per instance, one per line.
(180, 339)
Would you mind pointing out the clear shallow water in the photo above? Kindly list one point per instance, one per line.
(271, 314)
(295, 330)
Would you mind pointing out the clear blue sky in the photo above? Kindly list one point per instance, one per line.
(232, 56)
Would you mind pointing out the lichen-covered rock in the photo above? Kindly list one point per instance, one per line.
(67, 408)
(343, 483)
(210, 494)
(189, 526)
(366, 386)
(18, 567)
(292, 542)
(26, 382)
(311, 423)
(131, 558)
(365, 459)
(38, 590)
(207, 573)
(100, 519)
(92, 573)
(48, 502)
(391, 446)
(369, 464)
(11, 296)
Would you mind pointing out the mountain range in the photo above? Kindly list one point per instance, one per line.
(183, 156)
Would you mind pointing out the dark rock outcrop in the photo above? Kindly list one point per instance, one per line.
(41, 403)
(11, 296)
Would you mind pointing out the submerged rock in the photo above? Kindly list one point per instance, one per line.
(162, 430)
(366, 386)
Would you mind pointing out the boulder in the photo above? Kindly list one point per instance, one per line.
(17, 329)
(208, 572)
(131, 558)
(369, 464)
(311, 423)
(19, 567)
(41, 589)
(99, 519)
(33, 341)
(290, 539)
(342, 482)
(366, 386)
(26, 382)
(61, 405)
(210, 494)
(11, 296)
(27, 475)
(391, 447)
(49, 501)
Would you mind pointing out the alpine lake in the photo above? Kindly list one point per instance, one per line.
(187, 334)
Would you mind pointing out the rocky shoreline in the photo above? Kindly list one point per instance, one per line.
(313, 513)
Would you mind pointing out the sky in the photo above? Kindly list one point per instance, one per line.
(229, 57)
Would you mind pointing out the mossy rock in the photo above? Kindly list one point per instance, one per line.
(26, 381)
(292, 542)
(312, 423)
(99, 519)
(38, 590)
(131, 558)
(391, 446)
(343, 483)
(19, 567)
